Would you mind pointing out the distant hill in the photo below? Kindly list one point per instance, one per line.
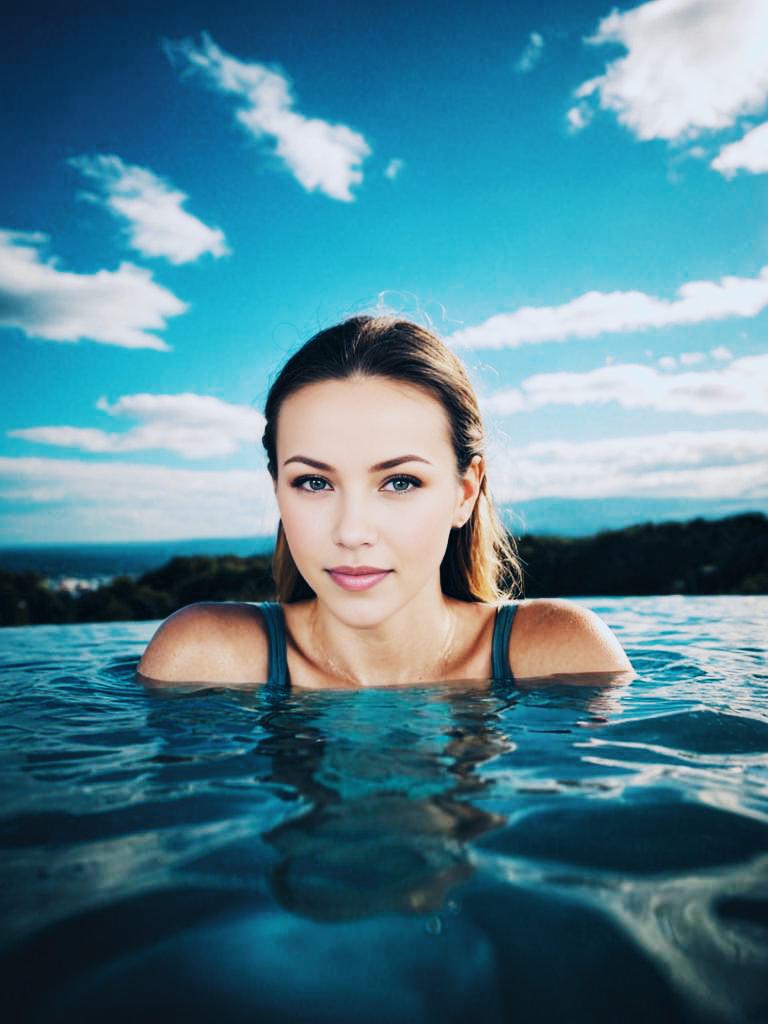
(726, 556)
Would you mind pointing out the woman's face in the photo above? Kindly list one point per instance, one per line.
(349, 513)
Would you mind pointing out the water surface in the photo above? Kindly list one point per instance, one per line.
(561, 852)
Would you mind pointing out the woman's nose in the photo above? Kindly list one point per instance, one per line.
(354, 522)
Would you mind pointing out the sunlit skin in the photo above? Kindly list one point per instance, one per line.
(398, 518)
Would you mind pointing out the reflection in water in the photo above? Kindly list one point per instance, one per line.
(706, 954)
(391, 777)
(383, 853)
(390, 813)
(706, 929)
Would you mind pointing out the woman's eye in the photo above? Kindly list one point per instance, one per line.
(318, 480)
(309, 479)
(400, 484)
(410, 481)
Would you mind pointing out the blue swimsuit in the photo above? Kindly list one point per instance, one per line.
(278, 679)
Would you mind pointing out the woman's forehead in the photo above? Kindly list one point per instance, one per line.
(371, 410)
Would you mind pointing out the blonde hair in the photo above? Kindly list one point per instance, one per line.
(480, 561)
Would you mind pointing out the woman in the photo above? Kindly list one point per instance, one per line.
(391, 564)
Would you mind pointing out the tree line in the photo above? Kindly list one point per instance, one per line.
(726, 556)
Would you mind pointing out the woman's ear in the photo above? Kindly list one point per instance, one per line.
(469, 489)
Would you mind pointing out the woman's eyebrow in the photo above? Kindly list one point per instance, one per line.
(387, 464)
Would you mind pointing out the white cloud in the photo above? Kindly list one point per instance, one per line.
(114, 307)
(596, 313)
(717, 464)
(741, 386)
(99, 501)
(393, 169)
(690, 66)
(319, 154)
(531, 55)
(194, 426)
(721, 353)
(691, 358)
(749, 153)
(578, 117)
(157, 224)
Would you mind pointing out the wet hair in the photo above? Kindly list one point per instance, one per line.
(480, 561)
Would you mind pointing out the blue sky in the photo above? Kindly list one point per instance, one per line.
(572, 195)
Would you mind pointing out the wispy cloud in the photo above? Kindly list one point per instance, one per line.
(185, 502)
(722, 353)
(115, 307)
(193, 426)
(596, 313)
(578, 117)
(531, 55)
(691, 358)
(749, 153)
(690, 66)
(393, 169)
(694, 358)
(320, 155)
(741, 386)
(157, 225)
(685, 464)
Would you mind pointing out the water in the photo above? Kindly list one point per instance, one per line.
(553, 853)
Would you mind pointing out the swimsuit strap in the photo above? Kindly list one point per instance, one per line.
(502, 627)
(278, 662)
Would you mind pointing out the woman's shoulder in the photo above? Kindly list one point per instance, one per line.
(209, 642)
(552, 636)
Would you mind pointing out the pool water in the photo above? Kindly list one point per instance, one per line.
(558, 852)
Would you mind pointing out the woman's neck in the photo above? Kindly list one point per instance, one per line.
(415, 644)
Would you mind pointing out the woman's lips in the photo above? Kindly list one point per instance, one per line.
(357, 582)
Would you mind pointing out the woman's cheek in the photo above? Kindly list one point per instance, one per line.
(300, 527)
(420, 528)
